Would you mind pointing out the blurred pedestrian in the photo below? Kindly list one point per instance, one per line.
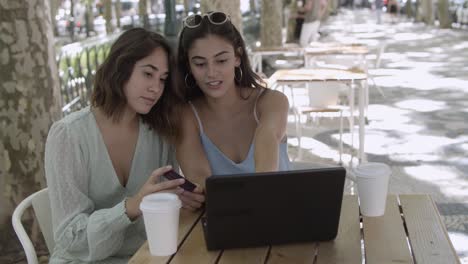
(299, 21)
(313, 12)
(378, 10)
(394, 9)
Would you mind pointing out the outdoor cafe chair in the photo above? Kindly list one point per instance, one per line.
(41, 205)
(323, 102)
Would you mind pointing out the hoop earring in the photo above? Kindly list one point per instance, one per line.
(186, 83)
(240, 73)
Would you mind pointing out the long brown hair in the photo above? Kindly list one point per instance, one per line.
(111, 76)
(226, 31)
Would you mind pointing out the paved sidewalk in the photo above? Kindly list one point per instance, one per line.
(420, 127)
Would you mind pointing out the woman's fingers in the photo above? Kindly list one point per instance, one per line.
(157, 173)
(188, 207)
(198, 189)
(192, 201)
(189, 204)
(178, 191)
(167, 185)
(198, 197)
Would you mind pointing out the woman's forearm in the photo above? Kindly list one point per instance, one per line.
(266, 151)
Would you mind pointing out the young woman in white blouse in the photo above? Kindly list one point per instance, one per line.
(102, 160)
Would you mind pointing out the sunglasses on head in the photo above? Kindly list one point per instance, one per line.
(215, 18)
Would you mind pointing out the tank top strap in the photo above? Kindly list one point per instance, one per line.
(255, 105)
(196, 116)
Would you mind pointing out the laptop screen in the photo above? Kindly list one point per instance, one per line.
(256, 209)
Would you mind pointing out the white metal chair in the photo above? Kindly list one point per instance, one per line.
(323, 99)
(346, 62)
(378, 59)
(41, 205)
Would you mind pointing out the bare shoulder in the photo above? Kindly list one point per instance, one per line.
(189, 121)
(272, 99)
(186, 110)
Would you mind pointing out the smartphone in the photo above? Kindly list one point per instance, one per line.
(187, 185)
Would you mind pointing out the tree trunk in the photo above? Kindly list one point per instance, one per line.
(89, 17)
(108, 16)
(271, 23)
(419, 12)
(327, 11)
(291, 22)
(334, 4)
(71, 25)
(53, 11)
(29, 99)
(143, 13)
(445, 20)
(170, 23)
(423, 10)
(232, 8)
(408, 8)
(253, 6)
(417, 16)
(187, 7)
(428, 13)
(118, 13)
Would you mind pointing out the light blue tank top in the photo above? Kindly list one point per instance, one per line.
(220, 164)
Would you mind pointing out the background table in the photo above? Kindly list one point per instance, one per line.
(258, 53)
(355, 51)
(332, 49)
(411, 231)
(286, 78)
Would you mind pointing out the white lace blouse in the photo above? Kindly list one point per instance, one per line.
(87, 199)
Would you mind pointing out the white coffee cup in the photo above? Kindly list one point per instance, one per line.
(372, 186)
(161, 217)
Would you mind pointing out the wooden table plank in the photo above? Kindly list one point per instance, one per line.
(193, 250)
(288, 47)
(186, 221)
(337, 50)
(316, 75)
(422, 216)
(244, 255)
(385, 237)
(346, 248)
(293, 253)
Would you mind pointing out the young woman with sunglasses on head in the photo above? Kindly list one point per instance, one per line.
(102, 160)
(231, 123)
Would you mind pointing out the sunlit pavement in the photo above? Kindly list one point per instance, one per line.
(420, 125)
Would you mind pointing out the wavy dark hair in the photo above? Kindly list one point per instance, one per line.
(111, 76)
(228, 32)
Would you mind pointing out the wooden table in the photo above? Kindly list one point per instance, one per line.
(411, 231)
(259, 52)
(312, 50)
(326, 48)
(331, 48)
(286, 78)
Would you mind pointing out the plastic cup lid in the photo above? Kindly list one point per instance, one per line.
(160, 202)
(372, 170)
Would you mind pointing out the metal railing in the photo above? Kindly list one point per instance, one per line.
(77, 64)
